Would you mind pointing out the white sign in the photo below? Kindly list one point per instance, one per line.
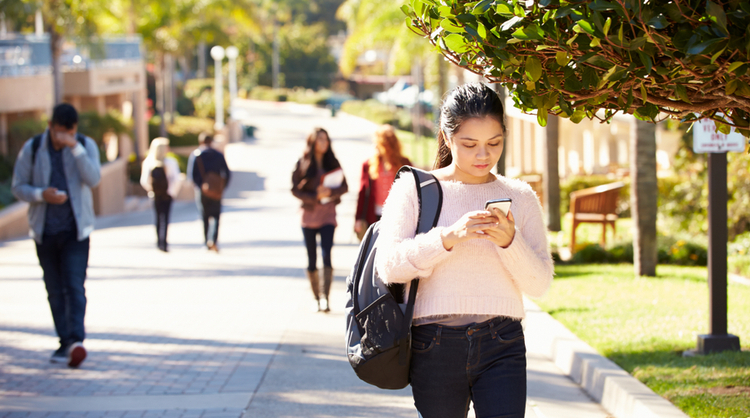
(707, 139)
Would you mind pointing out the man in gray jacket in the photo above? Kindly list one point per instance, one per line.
(55, 172)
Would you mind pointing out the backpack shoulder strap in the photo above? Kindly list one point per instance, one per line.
(429, 195)
(36, 142)
(430, 198)
(81, 138)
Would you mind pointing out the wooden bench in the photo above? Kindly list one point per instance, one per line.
(594, 205)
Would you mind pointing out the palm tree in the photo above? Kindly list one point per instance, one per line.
(643, 197)
(378, 24)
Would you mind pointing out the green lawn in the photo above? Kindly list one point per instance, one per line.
(644, 325)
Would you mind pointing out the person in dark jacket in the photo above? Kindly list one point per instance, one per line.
(202, 161)
(319, 196)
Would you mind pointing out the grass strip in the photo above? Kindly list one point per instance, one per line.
(644, 324)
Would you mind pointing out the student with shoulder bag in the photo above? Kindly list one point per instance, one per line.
(160, 177)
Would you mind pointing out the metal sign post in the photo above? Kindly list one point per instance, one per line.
(706, 139)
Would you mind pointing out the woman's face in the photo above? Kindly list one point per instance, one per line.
(321, 143)
(476, 148)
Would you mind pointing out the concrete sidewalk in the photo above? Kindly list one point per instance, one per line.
(201, 335)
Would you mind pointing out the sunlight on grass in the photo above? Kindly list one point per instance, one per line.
(644, 325)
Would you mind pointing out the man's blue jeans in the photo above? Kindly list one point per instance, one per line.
(210, 212)
(484, 363)
(64, 260)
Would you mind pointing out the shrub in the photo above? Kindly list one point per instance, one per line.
(592, 253)
(379, 113)
(738, 253)
(134, 169)
(670, 251)
(20, 131)
(686, 253)
(6, 168)
(94, 125)
(184, 131)
(683, 199)
(201, 92)
(181, 161)
(6, 196)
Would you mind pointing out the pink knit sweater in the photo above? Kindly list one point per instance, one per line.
(476, 277)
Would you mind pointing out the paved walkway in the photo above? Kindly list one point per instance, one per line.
(201, 335)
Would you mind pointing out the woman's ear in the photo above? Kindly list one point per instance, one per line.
(445, 139)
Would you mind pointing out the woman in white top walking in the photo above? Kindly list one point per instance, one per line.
(160, 176)
(468, 342)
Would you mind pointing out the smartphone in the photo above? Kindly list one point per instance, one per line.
(502, 204)
(61, 193)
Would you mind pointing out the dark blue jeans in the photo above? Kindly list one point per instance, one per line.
(484, 363)
(210, 212)
(326, 243)
(162, 207)
(64, 260)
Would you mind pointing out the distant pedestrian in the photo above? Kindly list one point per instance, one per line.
(160, 177)
(319, 182)
(378, 174)
(210, 174)
(467, 338)
(55, 172)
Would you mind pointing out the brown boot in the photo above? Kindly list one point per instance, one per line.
(327, 280)
(315, 284)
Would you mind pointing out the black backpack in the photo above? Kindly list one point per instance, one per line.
(378, 322)
(159, 183)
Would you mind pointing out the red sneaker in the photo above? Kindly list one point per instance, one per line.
(76, 354)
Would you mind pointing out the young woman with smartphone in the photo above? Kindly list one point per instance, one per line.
(319, 199)
(474, 266)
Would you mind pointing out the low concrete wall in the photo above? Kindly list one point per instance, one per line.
(109, 194)
(109, 199)
(14, 222)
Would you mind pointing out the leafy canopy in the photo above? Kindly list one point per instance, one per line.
(685, 59)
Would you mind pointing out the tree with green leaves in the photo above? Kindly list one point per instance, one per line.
(579, 59)
(684, 59)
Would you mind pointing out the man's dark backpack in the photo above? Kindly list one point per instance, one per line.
(378, 323)
(213, 184)
(159, 182)
(37, 141)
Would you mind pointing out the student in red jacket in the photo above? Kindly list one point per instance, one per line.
(378, 174)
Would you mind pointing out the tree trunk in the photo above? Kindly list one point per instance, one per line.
(551, 175)
(55, 45)
(185, 67)
(275, 56)
(643, 196)
(169, 93)
(159, 84)
(202, 58)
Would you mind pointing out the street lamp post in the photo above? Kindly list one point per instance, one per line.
(217, 53)
(232, 53)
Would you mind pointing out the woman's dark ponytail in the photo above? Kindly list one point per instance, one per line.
(467, 101)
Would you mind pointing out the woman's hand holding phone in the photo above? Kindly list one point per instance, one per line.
(488, 224)
(504, 230)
